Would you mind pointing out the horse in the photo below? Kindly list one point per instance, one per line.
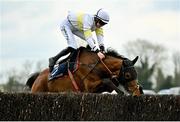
(115, 72)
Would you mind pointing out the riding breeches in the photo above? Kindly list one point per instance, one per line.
(69, 31)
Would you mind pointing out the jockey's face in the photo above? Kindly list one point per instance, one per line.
(100, 23)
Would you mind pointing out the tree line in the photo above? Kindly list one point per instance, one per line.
(153, 65)
(16, 79)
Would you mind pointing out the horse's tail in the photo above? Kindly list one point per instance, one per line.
(31, 79)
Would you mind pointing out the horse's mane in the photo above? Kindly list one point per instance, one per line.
(110, 51)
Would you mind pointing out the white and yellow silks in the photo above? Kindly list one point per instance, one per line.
(85, 24)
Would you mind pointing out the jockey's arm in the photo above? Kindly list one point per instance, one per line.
(100, 38)
(92, 43)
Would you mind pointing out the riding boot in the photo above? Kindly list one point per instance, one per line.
(52, 60)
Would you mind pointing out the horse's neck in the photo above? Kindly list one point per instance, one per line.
(88, 57)
(113, 63)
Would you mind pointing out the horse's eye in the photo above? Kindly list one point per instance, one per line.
(127, 75)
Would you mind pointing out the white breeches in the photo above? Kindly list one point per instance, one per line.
(69, 31)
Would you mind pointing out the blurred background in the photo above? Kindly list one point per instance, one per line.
(30, 34)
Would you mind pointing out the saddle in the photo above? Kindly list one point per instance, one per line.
(70, 63)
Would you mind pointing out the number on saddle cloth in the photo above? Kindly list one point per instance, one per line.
(62, 68)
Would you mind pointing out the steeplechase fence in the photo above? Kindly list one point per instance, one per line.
(85, 106)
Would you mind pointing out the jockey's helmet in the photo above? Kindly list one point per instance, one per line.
(102, 15)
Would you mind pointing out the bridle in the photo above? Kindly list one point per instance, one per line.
(121, 78)
(124, 76)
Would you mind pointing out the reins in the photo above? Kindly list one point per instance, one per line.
(110, 83)
(112, 75)
(72, 77)
(110, 72)
(89, 71)
(74, 82)
(106, 67)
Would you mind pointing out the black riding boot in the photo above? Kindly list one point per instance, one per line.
(52, 60)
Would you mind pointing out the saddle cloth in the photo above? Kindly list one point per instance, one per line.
(61, 69)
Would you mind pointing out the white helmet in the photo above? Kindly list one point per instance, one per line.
(102, 15)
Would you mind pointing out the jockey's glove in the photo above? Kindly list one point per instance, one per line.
(97, 51)
(102, 49)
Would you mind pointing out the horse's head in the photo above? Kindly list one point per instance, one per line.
(126, 74)
(128, 77)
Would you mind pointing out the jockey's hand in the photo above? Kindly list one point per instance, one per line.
(103, 52)
(101, 55)
(102, 49)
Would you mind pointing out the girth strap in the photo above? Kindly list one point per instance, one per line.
(73, 81)
(72, 77)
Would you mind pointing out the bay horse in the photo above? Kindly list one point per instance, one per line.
(93, 75)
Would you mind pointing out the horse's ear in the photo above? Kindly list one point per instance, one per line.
(134, 61)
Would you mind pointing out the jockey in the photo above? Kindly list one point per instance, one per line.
(82, 25)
